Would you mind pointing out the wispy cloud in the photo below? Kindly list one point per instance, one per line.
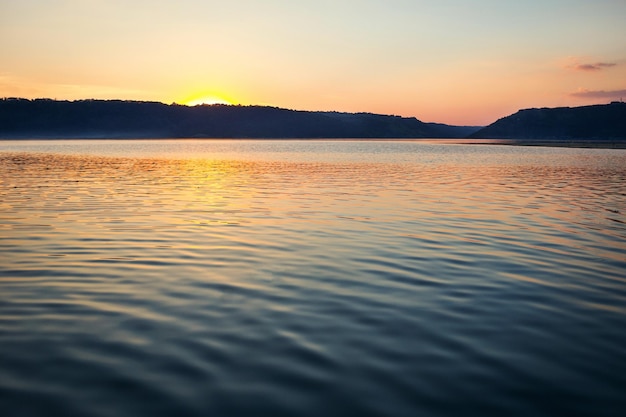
(16, 86)
(603, 94)
(11, 86)
(598, 66)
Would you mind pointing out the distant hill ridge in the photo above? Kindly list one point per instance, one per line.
(606, 122)
(45, 118)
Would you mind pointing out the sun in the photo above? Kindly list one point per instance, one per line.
(210, 99)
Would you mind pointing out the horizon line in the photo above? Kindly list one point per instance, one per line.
(174, 103)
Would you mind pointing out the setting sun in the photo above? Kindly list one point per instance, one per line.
(210, 99)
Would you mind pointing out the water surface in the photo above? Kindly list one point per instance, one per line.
(310, 278)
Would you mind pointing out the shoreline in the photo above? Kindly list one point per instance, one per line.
(570, 143)
(556, 143)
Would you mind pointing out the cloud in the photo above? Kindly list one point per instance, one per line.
(15, 86)
(598, 66)
(603, 94)
(11, 86)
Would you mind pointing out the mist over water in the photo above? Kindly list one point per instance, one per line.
(309, 278)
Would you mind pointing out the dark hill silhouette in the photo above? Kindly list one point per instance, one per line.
(44, 118)
(586, 123)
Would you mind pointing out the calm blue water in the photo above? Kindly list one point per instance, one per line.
(311, 278)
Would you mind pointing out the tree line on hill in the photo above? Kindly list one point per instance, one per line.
(598, 122)
(45, 118)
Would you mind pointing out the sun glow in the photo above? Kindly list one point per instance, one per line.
(208, 99)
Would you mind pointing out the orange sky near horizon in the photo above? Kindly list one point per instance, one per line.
(447, 61)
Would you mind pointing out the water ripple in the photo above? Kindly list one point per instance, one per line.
(311, 278)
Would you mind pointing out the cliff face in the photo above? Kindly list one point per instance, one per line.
(21, 118)
(580, 123)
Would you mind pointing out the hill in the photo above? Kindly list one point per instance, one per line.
(589, 123)
(44, 118)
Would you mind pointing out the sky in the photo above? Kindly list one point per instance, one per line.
(465, 62)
